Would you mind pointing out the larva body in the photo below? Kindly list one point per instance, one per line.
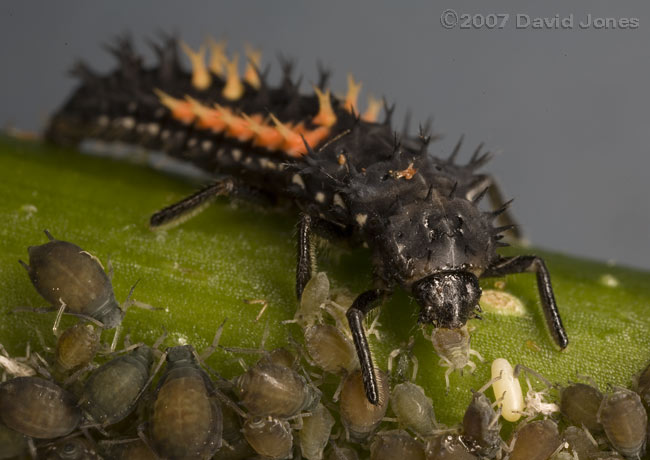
(350, 176)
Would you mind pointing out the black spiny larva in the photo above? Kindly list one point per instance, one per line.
(349, 175)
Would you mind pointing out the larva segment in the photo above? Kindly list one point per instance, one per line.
(217, 56)
(325, 115)
(181, 110)
(354, 88)
(372, 112)
(201, 78)
(206, 118)
(234, 88)
(254, 59)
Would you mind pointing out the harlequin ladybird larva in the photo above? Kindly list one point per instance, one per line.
(350, 176)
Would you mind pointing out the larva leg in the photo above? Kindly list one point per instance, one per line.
(361, 306)
(190, 206)
(521, 264)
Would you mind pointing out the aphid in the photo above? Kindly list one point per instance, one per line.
(481, 426)
(625, 421)
(643, 386)
(507, 390)
(315, 294)
(396, 444)
(579, 441)
(535, 441)
(77, 346)
(270, 437)
(452, 345)
(358, 415)
(342, 453)
(535, 401)
(315, 433)
(349, 175)
(12, 443)
(17, 367)
(112, 391)
(235, 446)
(330, 349)
(76, 448)
(579, 403)
(38, 408)
(71, 278)
(447, 447)
(186, 420)
(406, 368)
(135, 450)
(413, 408)
(278, 391)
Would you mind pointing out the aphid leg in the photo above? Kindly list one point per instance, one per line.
(360, 307)
(205, 354)
(477, 354)
(57, 320)
(262, 302)
(190, 206)
(520, 264)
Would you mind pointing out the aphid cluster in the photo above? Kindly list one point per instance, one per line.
(350, 176)
(141, 403)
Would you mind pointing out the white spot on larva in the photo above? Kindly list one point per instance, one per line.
(296, 179)
(609, 280)
(320, 197)
(508, 389)
(272, 164)
(192, 142)
(128, 122)
(248, 160)
(164, 134)
(153, 128)
(361, 219)
(236, 154)
(103, 120)
(338, 201)
(206, 145)
(400, 248)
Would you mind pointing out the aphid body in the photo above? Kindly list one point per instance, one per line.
(112, 391)
(535, 440)
(186, 420)
(507, 390)
(270, 437)
(418, 214)
(481, 426)
(12, 443)
(77, 448)
(396, 444)
(579, 403)
(274, 390)
(413, 408)
(452, 345)
(625, 422)
(77, 346)
(447, 447)
(315, 433)
(330, 348)
(38, 408)
(358, 415)
(62, 272)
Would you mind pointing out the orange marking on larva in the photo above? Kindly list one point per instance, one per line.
(201, 78)
(254, 59)
(341, 159)
(316, 136)
(180, 109)
(353, 94)
(207, 118)
(407, 173)
(325, 115)
(217, 56)
(234, 88)
(236, 127)
(372, 112)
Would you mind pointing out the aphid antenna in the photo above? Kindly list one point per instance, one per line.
(519, 367)
(207, 352)
(57, 320)
(262, 302)
(77, 374)
(490, 382)
(588, 379)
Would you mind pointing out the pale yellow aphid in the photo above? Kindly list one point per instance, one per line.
(507, 390)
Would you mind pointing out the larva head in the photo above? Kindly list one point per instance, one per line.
(447, 299)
